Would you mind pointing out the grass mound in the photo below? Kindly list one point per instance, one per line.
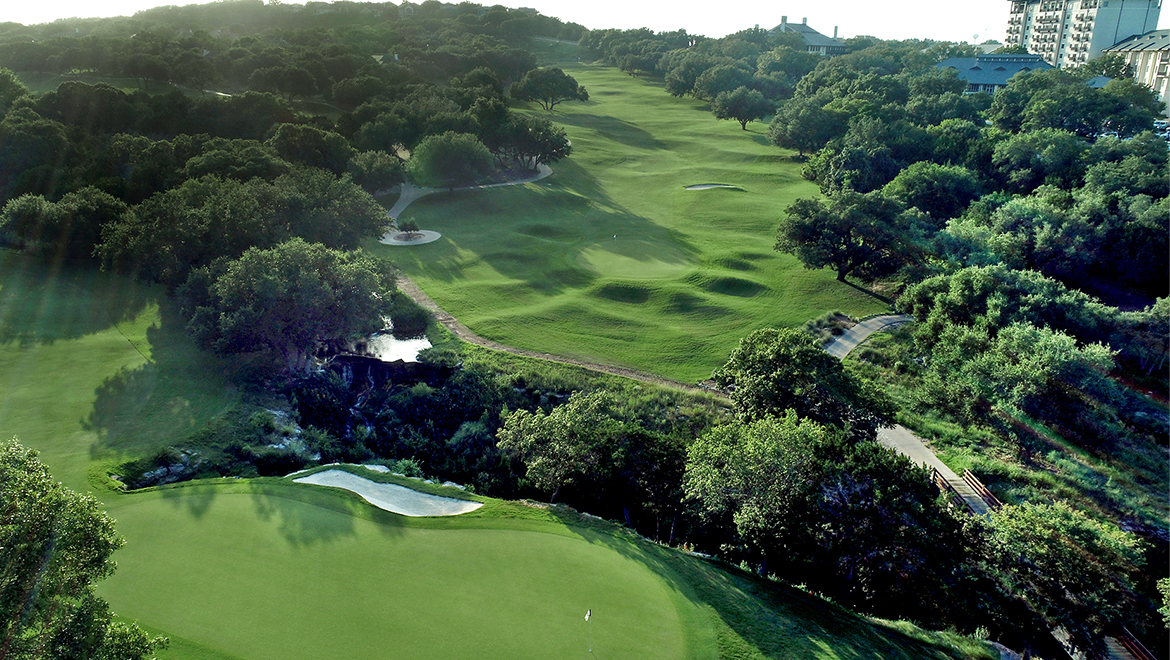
(626, 293)
(734, 286)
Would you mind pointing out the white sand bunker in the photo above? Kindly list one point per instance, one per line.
(390, 497)
(708, 186)
(413, 238)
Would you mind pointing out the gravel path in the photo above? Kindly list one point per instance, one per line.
(898, 437)
(411, 192)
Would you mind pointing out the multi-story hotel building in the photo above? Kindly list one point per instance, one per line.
(1149, 55)
(1068, 33)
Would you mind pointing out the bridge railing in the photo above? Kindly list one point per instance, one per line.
(944, 486)
(981, 490)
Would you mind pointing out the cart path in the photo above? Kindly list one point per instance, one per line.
(898, 437)
(407, 286)
(852, 338)
(410, 192)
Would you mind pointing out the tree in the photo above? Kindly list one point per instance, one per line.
(548, 87)
(805, 125)
(10, 89)
(1073, 571)
(794, 63)
(942, 191)
(772, 371)
(529, 141)
(1020, 368)
(1112, 65)
(375, 170)
(866, 234)
(449, 160)
(743, 105)
(1027, 160)
(68, 228)
(856, 522)
(722, 78)
(55, 545)
(288, 301)
(562, 446)
(298, 143)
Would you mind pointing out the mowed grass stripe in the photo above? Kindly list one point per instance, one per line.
(543, 266)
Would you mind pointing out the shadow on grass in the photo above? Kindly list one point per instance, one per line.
(303, 515)
(140, 410)
(43, 300)
(612, 128)
(762, 616)
(536, 235)
(872, 294)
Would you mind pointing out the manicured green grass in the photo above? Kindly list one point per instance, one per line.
(269, 569)
(611, 259)
(97, 368)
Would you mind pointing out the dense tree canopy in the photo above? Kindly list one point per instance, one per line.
(853, 521)
(288, 300)
(773, 371)
(56, 544)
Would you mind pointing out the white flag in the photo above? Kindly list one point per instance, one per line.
(587, 613)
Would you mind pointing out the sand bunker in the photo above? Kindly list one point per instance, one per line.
(708, 186)
(391, 497)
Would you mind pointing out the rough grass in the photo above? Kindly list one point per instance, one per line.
(611, 259)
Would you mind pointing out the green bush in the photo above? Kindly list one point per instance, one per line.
(450, 159)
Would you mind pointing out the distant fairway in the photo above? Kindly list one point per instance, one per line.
(611, 258)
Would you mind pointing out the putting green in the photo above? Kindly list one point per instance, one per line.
(280, 571)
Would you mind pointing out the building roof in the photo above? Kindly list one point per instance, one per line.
(1156, 40)
(993, 69)
(1097, 82)
(811, 36)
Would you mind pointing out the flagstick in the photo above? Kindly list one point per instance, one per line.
(589, 629)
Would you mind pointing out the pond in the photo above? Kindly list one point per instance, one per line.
(388, 348)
